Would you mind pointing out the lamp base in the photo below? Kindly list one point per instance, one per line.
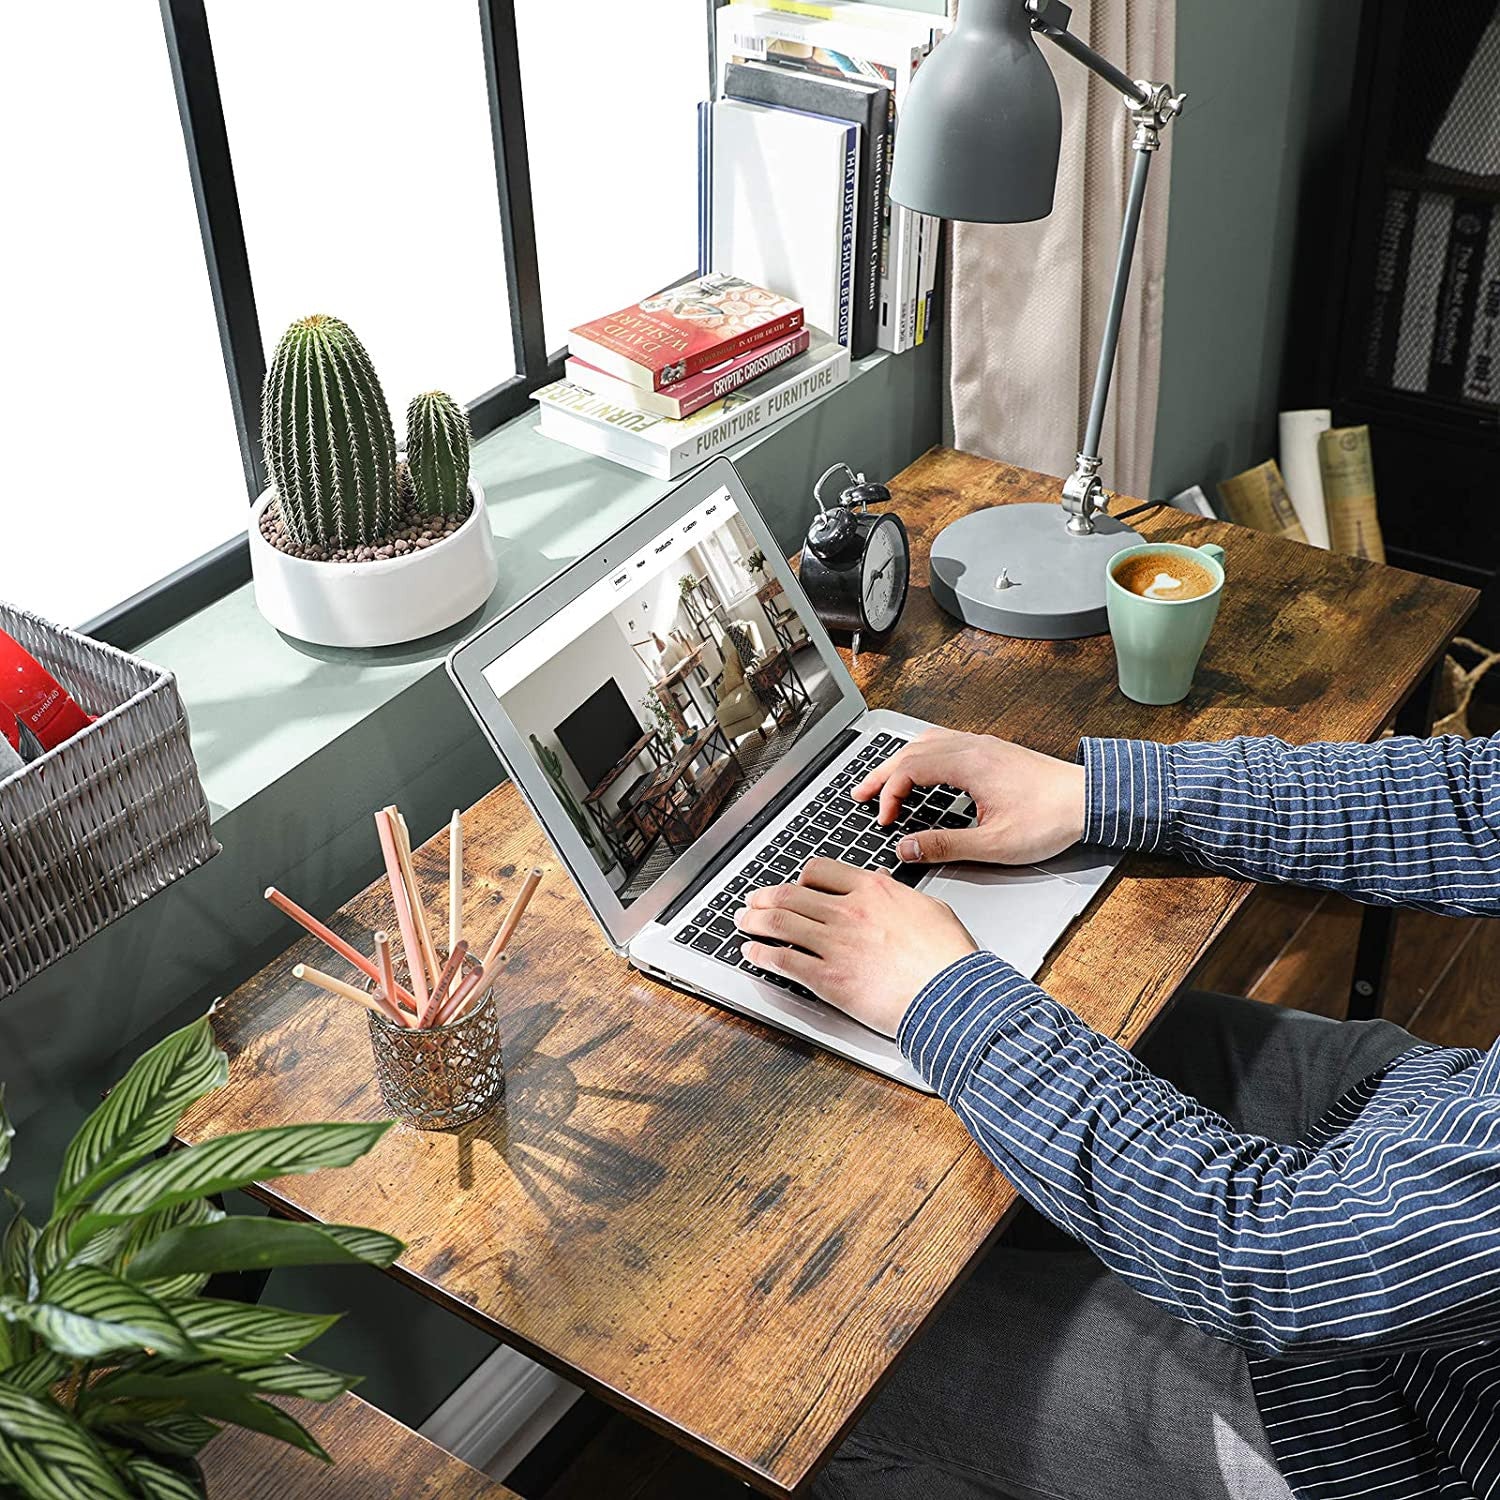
(1056, 578)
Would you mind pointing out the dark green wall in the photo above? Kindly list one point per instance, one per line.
(1254, 170)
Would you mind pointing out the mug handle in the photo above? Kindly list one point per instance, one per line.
(1214, 550)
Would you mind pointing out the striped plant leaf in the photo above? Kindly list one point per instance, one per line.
(294, 1377)
(37, 1374)
(112, 1249)
(138, 1115)
(230, 1161)
(160, 1426)
(243, 1333)
(211, 1391)
(18, 1253)
(57, 1240)
(7, 1132)
(49, 1456)
(154, 1480)
(86, 1313)
(250, 1244)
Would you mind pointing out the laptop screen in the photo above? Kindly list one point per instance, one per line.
(658, 698)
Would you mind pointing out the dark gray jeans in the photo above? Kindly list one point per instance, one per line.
(1048, 1378)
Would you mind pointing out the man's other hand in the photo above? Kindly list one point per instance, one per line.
(860, 940)
(1028, 806)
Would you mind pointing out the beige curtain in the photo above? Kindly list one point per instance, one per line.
(1027, 302)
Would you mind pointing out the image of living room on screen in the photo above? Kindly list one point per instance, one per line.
(655, 719)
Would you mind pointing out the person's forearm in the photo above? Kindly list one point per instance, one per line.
(1402, 822)
(1281, 1249)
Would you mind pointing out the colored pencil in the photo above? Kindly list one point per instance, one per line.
(386, 828)
(473, 991)
(387, 969)
(513, 916)
(414, 895)
(455, 880)
(347, 991)
(440, 989)
(288, 907)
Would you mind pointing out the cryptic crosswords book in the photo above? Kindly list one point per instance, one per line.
(674, 333)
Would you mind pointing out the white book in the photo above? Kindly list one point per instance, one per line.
(666, 448)
(871, 42)
(784, 202)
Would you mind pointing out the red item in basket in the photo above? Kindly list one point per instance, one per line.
(35, 697)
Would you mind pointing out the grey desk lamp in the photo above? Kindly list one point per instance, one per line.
(979, 141)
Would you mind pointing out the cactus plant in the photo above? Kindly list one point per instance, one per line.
(437, 453)
(329, 444)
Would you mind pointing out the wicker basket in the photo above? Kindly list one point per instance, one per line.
(111, 816)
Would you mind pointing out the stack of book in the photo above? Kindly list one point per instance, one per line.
(794, 161)
(665, 384)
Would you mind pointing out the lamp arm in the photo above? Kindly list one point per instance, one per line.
(1153, 106)
(1050, 18)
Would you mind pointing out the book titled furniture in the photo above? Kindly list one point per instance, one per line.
(719, 1228)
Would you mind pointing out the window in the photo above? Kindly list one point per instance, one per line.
(613, 151)
(122, 461)
(369, 160)
(360, 136)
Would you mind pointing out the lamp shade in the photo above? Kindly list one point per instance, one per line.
(981, 127)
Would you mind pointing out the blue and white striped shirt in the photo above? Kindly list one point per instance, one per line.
(1359, 1268)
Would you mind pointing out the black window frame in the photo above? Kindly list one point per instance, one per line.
(200, 107)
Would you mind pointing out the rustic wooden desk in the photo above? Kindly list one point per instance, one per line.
(717, 1227)
(373, 1454)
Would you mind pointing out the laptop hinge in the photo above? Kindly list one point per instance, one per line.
(753, 828)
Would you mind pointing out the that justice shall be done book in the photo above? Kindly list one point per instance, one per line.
(660, 446)
(677, 332)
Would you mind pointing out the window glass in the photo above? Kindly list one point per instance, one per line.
(365, 167)
(121, 464)
(611, 94)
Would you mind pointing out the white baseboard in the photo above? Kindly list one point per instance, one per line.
(500, 1413)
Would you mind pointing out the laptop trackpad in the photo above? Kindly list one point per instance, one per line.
(1016, 911)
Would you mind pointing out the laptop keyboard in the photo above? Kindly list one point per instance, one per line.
(830, 826)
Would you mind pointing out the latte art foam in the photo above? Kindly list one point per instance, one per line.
(1165, 576)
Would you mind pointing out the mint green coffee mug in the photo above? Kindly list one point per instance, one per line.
(1159, 638)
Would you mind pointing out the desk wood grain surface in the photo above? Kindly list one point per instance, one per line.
(373, 1455)
(723, 1230)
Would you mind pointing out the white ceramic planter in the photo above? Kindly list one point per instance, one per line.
(381, 603)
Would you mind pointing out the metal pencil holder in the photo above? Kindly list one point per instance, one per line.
(438, 1077)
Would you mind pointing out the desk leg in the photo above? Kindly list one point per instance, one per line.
(1377, 928)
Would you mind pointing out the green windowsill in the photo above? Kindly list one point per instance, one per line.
(260, 704)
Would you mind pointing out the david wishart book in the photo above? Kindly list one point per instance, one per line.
(666, 448)
(682, 329)
(697, 391)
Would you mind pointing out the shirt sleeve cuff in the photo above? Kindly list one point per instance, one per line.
(954, 1018)
(1128, 793)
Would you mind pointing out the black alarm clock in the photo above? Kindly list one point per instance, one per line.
(856, 565)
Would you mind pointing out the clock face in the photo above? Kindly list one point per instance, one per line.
(883, 575)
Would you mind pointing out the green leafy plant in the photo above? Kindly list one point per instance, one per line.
(665, 724)
(115, 1369)
(685, 585)
(437, 453)
(756, 562)
(327, 432)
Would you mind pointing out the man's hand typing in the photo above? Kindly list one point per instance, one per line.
(1028, 806)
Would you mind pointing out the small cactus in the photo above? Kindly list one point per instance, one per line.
(329, 444)
(437, 453)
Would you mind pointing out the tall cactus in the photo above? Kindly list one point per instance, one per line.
(327, 432)
(437, 453)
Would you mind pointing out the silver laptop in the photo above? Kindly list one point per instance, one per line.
(684, 731)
